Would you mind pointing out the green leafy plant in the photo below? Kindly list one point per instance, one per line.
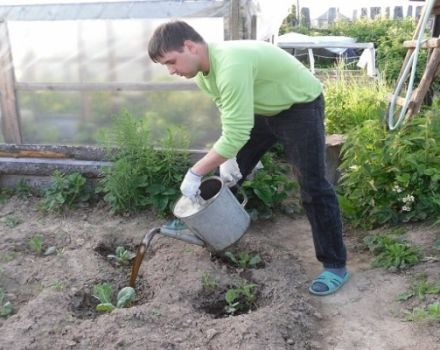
(36, 244)
(420, 288)
(143, 174)
(271, 189)
(240, 298)
(430, 312)
(65, 191)
(5, 305)
(122, 256)
(209, 283)
(352, 100)
(392, 252)
(244, 259)
(103, 292)
(11, 221)
(391, 177)
(24, 190)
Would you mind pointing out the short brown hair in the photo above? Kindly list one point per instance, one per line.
(170, 36)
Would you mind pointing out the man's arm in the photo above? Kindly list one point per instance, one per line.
(208, 163)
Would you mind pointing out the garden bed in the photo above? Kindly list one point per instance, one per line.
(53, 306)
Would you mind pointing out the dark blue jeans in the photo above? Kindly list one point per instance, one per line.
(300, 129)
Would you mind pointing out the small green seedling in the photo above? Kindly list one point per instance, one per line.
(420, 289)
(5, 306)
(209, 283)
(392, 252)
(431, 312)
(11, 221)
(240, 297)
(103, 292)
(244, 259)
(122, 256)
(36, 244)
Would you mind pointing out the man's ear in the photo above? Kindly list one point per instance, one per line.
(190, 45)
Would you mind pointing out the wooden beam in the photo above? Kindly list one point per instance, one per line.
(112, 86)
(234, 20)
(8, 99)
(427, 44)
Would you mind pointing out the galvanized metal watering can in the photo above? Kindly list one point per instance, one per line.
(217, 224)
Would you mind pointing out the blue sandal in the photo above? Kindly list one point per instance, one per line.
(331, 280)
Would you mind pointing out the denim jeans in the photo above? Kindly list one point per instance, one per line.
(300, 129)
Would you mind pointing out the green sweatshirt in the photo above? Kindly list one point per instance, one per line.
(250, 77)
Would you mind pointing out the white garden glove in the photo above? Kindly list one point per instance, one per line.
(191, 184)
(230, 172)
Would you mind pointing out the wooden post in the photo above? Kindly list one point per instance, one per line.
(8, 99)
(234, 20)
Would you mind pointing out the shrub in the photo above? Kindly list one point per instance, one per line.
(391, 177)
(350, 101)
(142, 176)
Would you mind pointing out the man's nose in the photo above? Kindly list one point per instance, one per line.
(171, 70)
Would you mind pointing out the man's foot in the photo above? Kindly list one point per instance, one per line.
(329, 281)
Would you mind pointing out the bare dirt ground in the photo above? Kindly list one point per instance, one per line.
(54, 308)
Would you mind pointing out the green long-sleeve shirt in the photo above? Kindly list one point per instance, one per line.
(250, 77)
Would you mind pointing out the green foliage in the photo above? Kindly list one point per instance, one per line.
(24, 190)
(122, 256)
(392, 252)
(125, 297)
(391, 177)
(36, 244)
(142, 176)
(209, 283)
(240, 298)
(270, 189)
(388, 36)
(244, 259)
(431, 312)
(5, 305)
(420, 288)
(5, 194)
(352, 100)
(11, 221)
(103, 292)
(65, 191)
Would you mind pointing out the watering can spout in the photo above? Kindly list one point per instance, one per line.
(178, 230)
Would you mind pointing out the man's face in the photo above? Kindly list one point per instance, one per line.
(185, 64)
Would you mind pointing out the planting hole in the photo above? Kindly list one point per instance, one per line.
(117, 254)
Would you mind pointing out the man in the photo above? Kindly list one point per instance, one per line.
(265, 96)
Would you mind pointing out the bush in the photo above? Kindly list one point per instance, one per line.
(350, 101)
(391, 177)
(142, 176)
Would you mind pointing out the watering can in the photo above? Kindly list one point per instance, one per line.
(216, 224)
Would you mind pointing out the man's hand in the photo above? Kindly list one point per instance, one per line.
(191, 184)
(230, 172)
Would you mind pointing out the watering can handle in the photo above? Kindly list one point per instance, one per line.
(245, 197)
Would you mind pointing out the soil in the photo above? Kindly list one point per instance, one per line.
(53, 306)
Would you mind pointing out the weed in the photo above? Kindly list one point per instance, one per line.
(5, 194)
(7, 256)
(271, 189)
(240, 298)
(209, 283)
(11, 221)
(24, 190)
(142, 176)
(244, 259)
(36, 244)
(420, 289)
(392, 252)
(430, 312)
(5, 306)
(122, 256)
(57, 285)
(66, 191)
